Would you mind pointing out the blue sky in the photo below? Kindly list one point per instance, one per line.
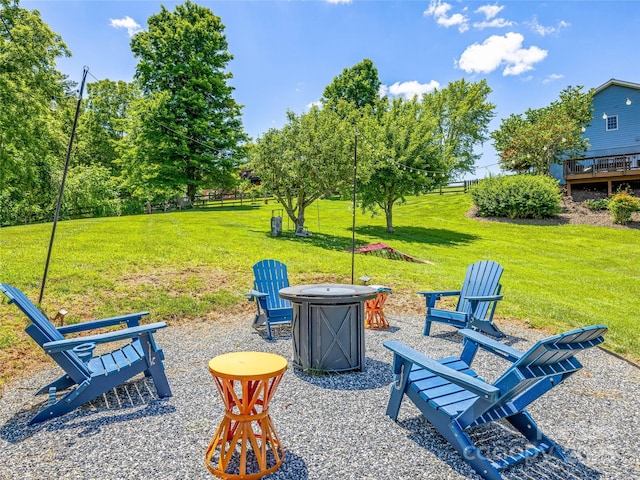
(287, 52)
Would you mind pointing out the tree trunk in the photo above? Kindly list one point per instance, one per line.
(389, 214)
(191, 192)
(300, 219)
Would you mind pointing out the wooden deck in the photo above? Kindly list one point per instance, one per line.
(603, 169)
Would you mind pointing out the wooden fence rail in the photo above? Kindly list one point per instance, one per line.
(212, 199)
(456, 187)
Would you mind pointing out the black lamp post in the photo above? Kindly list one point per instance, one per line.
(64, 178)
(353, 215)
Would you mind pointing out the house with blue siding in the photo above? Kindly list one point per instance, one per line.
(613, 158)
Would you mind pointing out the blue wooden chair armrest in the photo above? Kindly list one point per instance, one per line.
(255, 294)
(432, 297)
(132, 320)
(471, 384)
(443, 293)
(497, 348)
(70, 343)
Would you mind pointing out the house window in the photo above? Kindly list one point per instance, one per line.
(612, 122)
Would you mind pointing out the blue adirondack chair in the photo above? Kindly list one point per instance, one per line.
(454, 399)
(92, 375)
(477, 300)
(269, 277)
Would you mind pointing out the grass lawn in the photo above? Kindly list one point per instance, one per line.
(197, 263)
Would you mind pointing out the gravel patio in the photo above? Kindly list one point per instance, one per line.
(332, 426)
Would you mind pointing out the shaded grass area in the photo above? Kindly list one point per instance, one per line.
(197, 264)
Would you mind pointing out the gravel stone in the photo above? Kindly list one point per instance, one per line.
(332, 426)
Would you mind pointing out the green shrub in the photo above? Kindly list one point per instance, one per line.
(597, 205)
(517, 196)
(622, 206)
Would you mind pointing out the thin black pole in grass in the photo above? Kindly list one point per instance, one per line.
(64, 178)
(353, 205)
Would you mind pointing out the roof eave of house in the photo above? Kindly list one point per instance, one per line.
(620, 83)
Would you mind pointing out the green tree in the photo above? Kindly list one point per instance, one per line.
(30, 139)
(358, 85)
(102, 123)
(545, 136)
(422, 144)
(462, 114)
(400, 155)
(304, 160)
(142, 177)
(91, 190)
(192, 131)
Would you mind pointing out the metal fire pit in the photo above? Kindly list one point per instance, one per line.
(328, 326)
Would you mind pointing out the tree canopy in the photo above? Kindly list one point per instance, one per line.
(401, 158)
(103, 123)
(399, 147)
(30, 144)
(190, 131)
(462, 114)
(541, 137)
(421, 144)
(358, 85)
(304, 160)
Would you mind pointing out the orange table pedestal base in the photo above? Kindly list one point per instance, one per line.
(373, 315)
(246, 446)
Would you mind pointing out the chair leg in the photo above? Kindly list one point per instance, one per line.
(430, 301)
(69, 402)
(427, 328)
(523, 422)
(160, 381)
(155, 367)
(259, 320)
(60, 384)
(401, 371)
(395, 400)
(468, 450)
(269, 336)
(487, 327)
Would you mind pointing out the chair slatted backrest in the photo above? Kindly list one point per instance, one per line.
(482, 279)
(270, 277)
(43, 331)
(545, 365)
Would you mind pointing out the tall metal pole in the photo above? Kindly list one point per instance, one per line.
(64, 178)
(353, 215)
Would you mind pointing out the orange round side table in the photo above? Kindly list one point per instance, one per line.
(374, 318)
(247, 382)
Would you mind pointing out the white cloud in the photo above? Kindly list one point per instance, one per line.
(408, 89)
(437, 9)
(338, 1)
(490, 20)
(314, 104)
(489, 11)
(544, 31)
(127, 22)
(440, 11)
(495, 23)
(497, 51)
(553, 77)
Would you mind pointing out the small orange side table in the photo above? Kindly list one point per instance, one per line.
(373, 315)
(247, 382)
